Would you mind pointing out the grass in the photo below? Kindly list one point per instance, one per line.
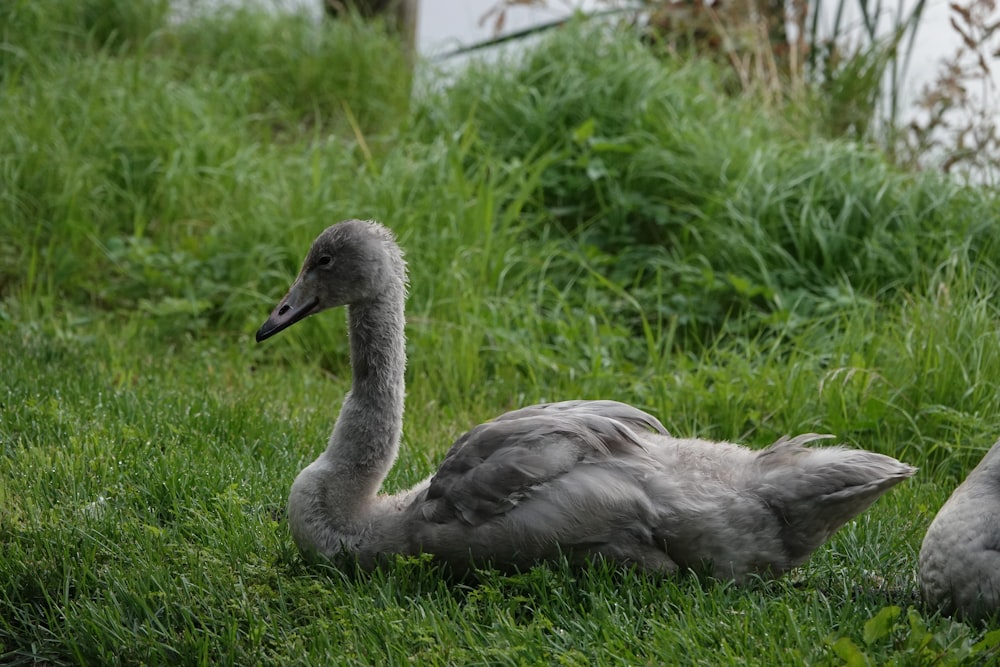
(586, 222)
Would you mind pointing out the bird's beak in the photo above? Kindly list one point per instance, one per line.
(294, 307)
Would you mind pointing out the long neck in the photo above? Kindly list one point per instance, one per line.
(365, 439)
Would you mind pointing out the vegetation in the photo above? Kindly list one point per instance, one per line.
(587, 222)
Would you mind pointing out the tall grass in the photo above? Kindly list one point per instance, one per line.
(652, 162)
(584, 222)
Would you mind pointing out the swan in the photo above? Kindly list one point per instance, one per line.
(959, 559)
(574, 479)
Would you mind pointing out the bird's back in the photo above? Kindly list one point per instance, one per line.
(530, 488)
(959, 561)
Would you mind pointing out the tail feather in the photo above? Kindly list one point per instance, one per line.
(815, 491)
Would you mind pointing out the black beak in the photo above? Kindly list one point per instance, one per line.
(285, 315)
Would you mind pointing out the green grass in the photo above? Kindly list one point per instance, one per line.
(586, 222)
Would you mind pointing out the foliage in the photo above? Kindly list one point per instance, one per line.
(957, 130)
(726, 213)
(845, 65)
(892, 638)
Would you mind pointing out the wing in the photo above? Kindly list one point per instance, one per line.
(493, 467)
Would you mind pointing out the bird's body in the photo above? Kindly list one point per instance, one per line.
(578, 479)
(960, 556)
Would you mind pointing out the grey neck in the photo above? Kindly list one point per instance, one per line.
(365, 439)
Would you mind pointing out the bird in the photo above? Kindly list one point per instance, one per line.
(959, 562)
(580, 480)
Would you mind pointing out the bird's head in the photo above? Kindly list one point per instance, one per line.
(350, 263)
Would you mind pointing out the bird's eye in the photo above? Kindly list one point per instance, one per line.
(324, 260)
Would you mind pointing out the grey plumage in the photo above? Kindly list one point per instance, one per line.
(960, 556)
(577, 478)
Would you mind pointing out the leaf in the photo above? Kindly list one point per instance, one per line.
(499, 22)
(963, 11)
(606, 146)
(745, 287)
(596, 169)
(983, 66)
(881, 624)
(584, 130)
(990, 640)
(919, 637)
(969, 42)
(849, 652)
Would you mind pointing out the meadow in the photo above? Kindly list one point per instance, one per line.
(589, 220)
